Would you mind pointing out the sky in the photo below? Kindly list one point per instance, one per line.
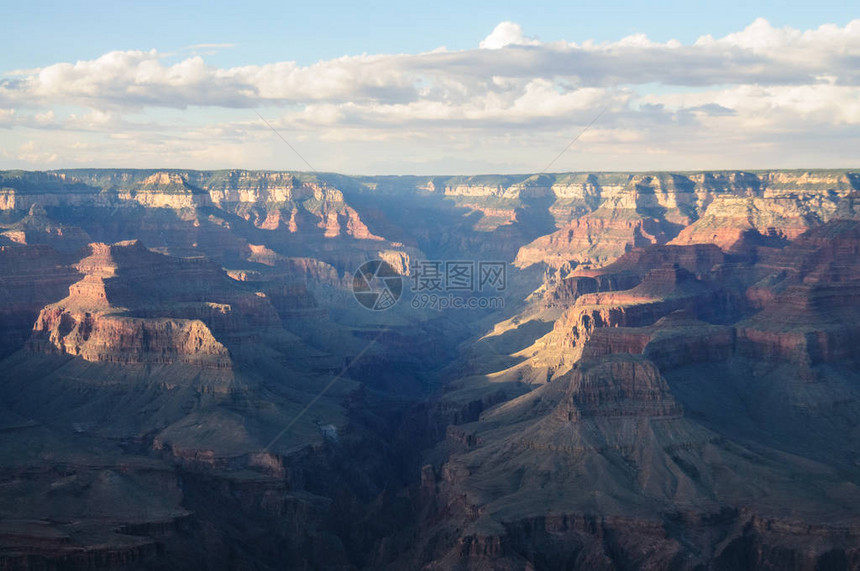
(431, 88)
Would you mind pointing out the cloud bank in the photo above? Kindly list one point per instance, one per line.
(774, 96)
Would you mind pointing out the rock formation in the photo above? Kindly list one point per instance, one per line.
(187, 380)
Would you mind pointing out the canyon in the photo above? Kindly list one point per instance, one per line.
(187, 381)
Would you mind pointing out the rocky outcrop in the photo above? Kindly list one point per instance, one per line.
(806, 325)
(593, 240)
(37, 228)
(109, 339)
(707, 208)
(617, 388)
(809, 299)
(134, 306)
(613, 427)
(660, 292)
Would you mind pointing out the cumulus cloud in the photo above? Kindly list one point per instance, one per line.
(759, 54)
(761, 83)
(507, 34)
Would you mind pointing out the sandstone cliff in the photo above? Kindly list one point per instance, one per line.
(187, 380)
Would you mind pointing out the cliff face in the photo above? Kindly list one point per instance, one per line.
(594, 239)
(672, 382)
(809, 310)
(143, 329)
(269, 200)
(578, 219)
(132, 374)
(101, 338)
(36, 228)
(134, 306)
(705, 208)
(223, 215)
(536, 471)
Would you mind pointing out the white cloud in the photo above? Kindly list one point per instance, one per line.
(507, 34)
(31, 152)
(759, 54)
(765, 87)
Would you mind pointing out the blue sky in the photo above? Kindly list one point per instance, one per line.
(686, 85)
